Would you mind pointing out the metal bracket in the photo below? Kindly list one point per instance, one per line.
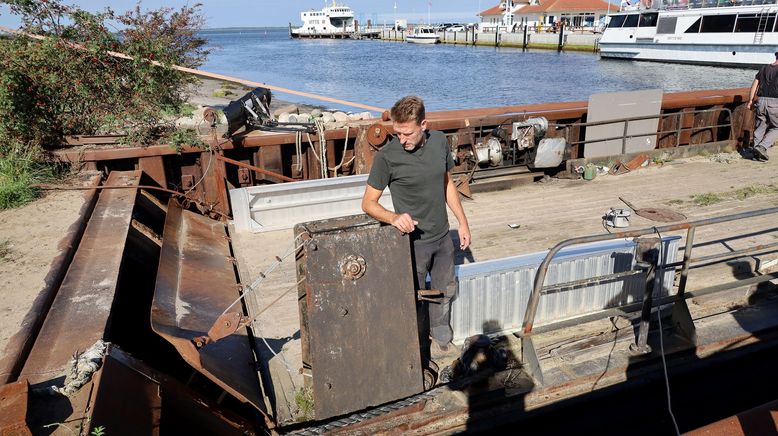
(225, 325)
(429, 295)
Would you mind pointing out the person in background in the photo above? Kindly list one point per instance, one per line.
(416, 167)
(765, 86)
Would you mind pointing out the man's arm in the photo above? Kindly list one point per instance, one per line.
(370, 205)
(752, 94)
(452, 199)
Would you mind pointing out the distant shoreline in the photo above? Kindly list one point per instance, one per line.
(212, 29)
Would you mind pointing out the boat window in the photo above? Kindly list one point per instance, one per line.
(770, 23)
(717, 23)
(648, 20)
(694, 28)
(631, 21)
(616, 21)
(666, 25)
(749, 23)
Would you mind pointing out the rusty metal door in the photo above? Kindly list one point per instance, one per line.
(358, 315)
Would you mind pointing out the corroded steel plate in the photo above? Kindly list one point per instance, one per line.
(358, 312)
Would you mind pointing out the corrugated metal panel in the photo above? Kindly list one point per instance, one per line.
(493, 295)
(275, 207)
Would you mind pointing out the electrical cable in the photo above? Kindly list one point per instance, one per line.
(661, 340)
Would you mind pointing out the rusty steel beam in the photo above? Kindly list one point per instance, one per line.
(196, 281)
(13, 409)
(129, 397)
(81, 310)
(21, 342)
(255, 169)
(759, 420)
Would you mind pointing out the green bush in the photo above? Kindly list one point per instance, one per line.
(68, 83)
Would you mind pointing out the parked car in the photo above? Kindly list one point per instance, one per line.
(456, 28)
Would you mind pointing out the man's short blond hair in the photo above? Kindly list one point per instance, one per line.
(410, 108)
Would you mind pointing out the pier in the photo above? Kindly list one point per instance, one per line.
(527, 37)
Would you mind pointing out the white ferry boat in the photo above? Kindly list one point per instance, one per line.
(423, 35)
(334, 21)
(711, 32)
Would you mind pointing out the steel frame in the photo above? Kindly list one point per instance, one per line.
(681, 317)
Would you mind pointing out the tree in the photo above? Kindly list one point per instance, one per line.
(68, 82)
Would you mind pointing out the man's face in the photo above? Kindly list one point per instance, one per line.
(410, 133)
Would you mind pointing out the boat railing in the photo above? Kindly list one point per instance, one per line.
(651, 264)
(677, 119)
(676, 5)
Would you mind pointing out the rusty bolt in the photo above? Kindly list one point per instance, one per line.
(227, 323)
(353, 267)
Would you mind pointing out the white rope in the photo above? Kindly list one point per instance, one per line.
(343, 156)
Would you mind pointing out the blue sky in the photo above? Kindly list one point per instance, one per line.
(247, 13)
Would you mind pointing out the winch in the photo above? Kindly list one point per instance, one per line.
(617, 218)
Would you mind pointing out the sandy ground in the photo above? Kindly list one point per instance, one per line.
(209, 93)
(30, 240)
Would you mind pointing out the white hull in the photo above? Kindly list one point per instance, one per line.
(422, 39)
(681, 36)
(332, 21)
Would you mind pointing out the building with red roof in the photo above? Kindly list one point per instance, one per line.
(577, 13)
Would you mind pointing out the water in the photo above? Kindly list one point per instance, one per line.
(377, 73)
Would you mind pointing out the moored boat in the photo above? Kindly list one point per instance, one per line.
(735, 33)
(333, 21)
(423, 35)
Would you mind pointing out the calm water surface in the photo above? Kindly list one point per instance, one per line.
(446, 76)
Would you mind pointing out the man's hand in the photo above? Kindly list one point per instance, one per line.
(464, 237)
(404, 223)
(750, 105)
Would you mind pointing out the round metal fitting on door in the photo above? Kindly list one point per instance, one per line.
(353, 267)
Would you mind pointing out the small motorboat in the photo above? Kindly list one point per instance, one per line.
(423, 35)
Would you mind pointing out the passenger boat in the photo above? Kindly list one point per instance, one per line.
(333, 21)
(423, 35)
(711, 32)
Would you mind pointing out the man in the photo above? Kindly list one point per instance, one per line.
(766, 129)
(415, 166)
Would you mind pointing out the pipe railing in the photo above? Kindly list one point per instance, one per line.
(654, 267)
(660, 133)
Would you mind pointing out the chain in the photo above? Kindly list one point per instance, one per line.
(375, 412)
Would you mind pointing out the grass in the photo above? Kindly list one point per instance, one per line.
(226, 89)
(19, 171)
(707, 199)
(750, 191)
(303, 398)
(736, 194)
(675, 202)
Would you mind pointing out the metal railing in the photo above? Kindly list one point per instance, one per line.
(529, 355)
(694, 4)
(661, 134)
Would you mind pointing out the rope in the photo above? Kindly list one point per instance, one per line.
(298, 149)
(343, 156)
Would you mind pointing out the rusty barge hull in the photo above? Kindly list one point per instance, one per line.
(718, 118)
(154, 372)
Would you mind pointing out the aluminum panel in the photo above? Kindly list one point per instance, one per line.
(493, 295)
(281, 206)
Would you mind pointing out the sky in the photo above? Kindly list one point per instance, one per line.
(260, 13)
